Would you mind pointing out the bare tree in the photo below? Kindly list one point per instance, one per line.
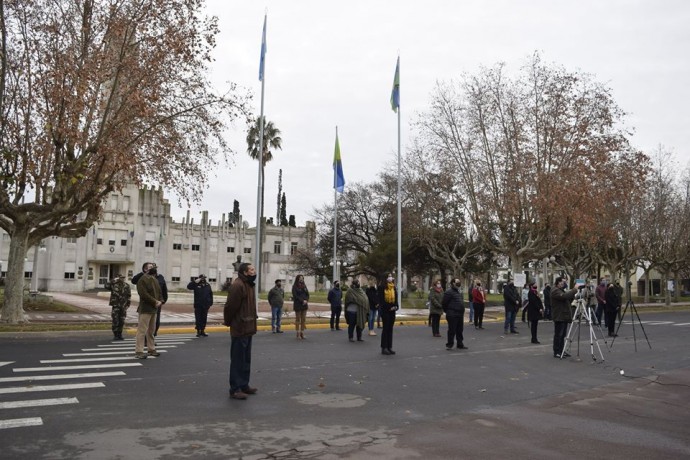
(95, 95)
(527, 153)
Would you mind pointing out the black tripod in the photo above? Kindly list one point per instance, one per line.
(633, 315)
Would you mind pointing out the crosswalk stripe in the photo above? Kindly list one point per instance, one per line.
(86, 360)
(71, 386)
(31, 378)
(125, 345)
(5, 363)
(20, 422)
(67, 368)
(125, 349)
(38, 403)
(106, 353)
(682, 324)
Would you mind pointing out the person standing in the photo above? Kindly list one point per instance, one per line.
(600, 293)
(276, 298)
(562, 314)
(335, 298)
(372, 296)
(203, 300)
(535, 310)
(388, 305)
(610, 309)
(479, 300)
(436, 308)
(547, 302)
(356, 310)
(163, 286)
(454, 308)
(619, 296)
(511, 304)
(525, 299)
(300, 303)
(470, 302)
(120, 295)
(150, 300)
(240, 315)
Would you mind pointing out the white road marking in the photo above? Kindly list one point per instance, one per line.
(5, 363)
(106, 353)
(86, 360)
(128, 349)
(68, 368)
(682, 324)
(70, 386)
(20, 422)
(31, 378)
(115, 347)
(38, 403)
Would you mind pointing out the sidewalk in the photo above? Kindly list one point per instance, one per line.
(183, 314)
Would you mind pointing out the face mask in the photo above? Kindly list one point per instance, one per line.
(438, 285)
(153, 272)
(355, 284)
(390, 280)
(251, 278)
(458, 285)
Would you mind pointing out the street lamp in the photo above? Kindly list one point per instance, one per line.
(336, 271)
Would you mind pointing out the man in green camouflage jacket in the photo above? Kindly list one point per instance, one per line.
(120, 295)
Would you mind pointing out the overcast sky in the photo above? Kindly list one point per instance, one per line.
(332, 64)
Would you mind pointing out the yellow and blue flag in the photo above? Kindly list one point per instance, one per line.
(338, 176)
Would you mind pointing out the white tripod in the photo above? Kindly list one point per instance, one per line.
(582, 312)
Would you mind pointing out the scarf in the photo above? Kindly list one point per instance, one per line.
(358, 297)
(389, 293)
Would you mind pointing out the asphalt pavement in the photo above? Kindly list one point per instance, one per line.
(82, 396)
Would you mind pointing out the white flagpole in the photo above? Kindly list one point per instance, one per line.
(259, 210)
(399, 202)
(335, 218)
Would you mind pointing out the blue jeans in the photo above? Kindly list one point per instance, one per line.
(372, 318)
(471, 311)
(276, 313)
(240, 363)
(510, 320)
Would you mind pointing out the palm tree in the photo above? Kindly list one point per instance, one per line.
(272, 140)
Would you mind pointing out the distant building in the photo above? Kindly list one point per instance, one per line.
(136, 227)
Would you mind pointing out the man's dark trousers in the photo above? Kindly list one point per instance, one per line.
(240, 363)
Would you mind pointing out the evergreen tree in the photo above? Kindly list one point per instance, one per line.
(292, 221)
(236, 212)
(283, 212)
(280, 191)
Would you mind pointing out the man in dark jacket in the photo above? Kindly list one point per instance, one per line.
(547, 301)
(203, 300)
(562, 314)
(511, 304)
(335, 298)
(240, 314)
(149, 301)
(276, 299)
(163, 286)
(454, 308)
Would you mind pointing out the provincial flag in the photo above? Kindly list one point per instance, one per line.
(395, 94)
(338, 177)
(263, 52)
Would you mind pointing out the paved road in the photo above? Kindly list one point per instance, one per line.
(326, 398)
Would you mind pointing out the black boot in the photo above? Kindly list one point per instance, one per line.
(198, 332)
(203, 332)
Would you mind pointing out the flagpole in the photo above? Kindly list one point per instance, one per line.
(259, 210)
(335, 219)
(399, 202)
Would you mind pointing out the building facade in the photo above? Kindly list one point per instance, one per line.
(136, 227)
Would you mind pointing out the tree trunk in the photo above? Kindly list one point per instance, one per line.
(677, 285)
(13, 309)
(647, 285)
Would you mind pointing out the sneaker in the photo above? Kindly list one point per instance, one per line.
(514, 332)
(140, 355)
(385, 351)
(154, 353)
(462, 347)
(238, 395)
(372, 332)
(449, 348)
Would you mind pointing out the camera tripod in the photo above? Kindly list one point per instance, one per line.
(633, 315)
(582, 311)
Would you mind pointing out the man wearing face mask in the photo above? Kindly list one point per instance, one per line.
(335, 298)
(511, 304)
(562, 314)
(150, 300)
(454, 307)
(240, 314)
(600, 292)
(161, 283)
(479, 298)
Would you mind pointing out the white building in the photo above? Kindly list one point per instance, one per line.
(136, 228)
